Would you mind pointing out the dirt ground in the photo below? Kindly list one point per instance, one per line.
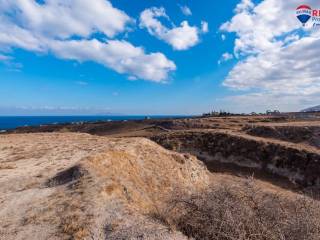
(74, 186)
(107, 180)
(287, 127)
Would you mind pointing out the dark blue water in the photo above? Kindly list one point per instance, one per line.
(14, 122)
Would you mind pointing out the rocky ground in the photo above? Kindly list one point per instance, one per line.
(113, 180)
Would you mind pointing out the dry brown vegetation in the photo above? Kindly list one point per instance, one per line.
(66, 185)
(242, 212)
(89, 187)
(6, 166)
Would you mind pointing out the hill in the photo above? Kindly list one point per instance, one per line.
(72, 186)
(312, 109)
(260, 181)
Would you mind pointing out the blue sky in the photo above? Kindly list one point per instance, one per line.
(84, 65)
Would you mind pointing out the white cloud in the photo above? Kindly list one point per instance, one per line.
(121, 56)
(52, 26)
(225, 57)
(274, 59)
(185, 10)
(180, 38)
(204, 27)
(257, 27)
(244, 5)
(223, 37)
(294, 68)
(12, 35)
(65, 18)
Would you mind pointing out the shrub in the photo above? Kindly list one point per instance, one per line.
(243, 212)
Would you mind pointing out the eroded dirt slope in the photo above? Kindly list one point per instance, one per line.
(298, 163)
(307, 133)
(79, 186)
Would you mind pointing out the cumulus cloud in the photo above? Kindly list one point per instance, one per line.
(12, 35)
(257, 26)
(281, 70)
(65, 18)
(66, 28)
(275, 58)
(244, 5)
(121, 56)
(185, 10)
(182, 37)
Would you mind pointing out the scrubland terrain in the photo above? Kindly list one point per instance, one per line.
(200, 178)
(287, 145)
(73, 186)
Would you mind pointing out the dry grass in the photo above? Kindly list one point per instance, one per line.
(71, 186)
(64, 130)
(243, 212)
(6, 166)
(74, 220)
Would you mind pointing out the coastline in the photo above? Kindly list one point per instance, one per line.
(8, 123)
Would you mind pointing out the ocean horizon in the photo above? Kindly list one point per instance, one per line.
(12, 122)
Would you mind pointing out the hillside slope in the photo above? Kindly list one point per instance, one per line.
(78, 186)
(312, 109)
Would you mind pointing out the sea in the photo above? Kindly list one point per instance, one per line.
(11, 122)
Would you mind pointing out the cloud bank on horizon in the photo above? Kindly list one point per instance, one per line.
(274, 61)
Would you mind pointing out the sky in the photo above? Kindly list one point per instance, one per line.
(156, 57)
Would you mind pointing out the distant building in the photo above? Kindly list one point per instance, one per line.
(210, 114)
(217, 114)
(273, 113)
